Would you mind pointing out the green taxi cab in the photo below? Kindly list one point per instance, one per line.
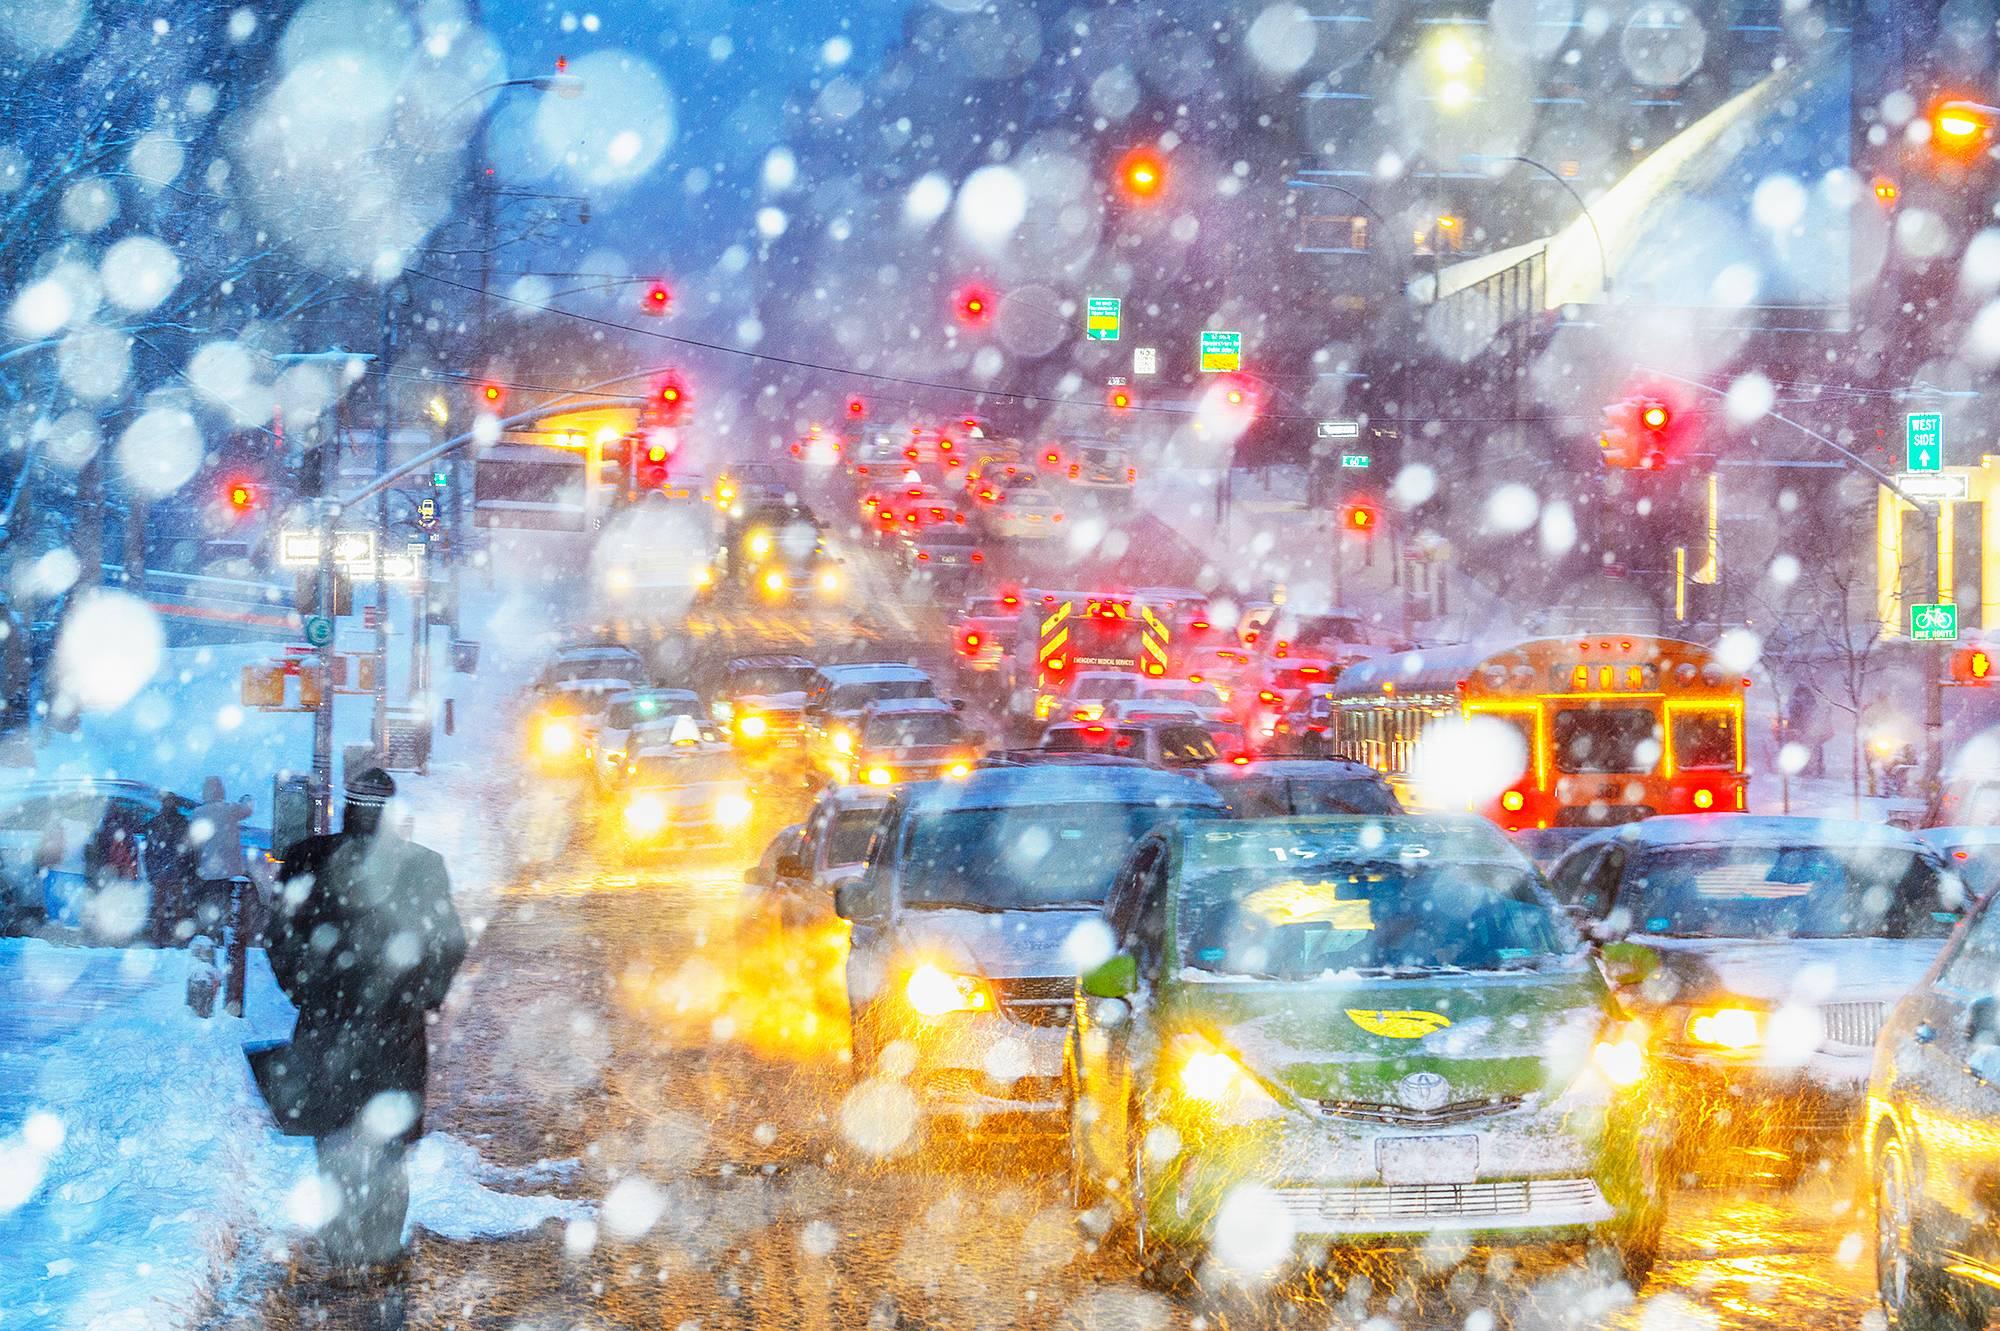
(1358, 1031)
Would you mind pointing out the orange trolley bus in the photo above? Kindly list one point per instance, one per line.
(1616, 727)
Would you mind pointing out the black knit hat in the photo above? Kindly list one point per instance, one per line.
(371, 788)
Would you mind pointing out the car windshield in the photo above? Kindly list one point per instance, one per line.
(1281, 797)
(1105, 688)
(653, 707)
(853, 697)
(1060, 856)
(848, 835)
(914, 730)
(593, 667)
(1199, 695)
(1746, 890)
(682, 769)
(759, 681)
(1299, 921)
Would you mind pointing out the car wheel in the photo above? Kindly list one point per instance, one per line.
(1634, 1242)
(1915, 1295)
(1163, 1264)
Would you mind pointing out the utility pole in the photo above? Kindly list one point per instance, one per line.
(380, 728)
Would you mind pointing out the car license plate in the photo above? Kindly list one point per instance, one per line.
(1453, 1159)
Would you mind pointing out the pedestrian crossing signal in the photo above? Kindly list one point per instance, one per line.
(1972, 665)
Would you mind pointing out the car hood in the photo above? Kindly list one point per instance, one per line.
(1811, 970)
(1487, 1035)
(1000, 945)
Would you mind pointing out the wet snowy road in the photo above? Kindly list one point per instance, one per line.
(694, 1069)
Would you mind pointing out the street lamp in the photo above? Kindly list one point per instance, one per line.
(1603, 261)
(1963, 126)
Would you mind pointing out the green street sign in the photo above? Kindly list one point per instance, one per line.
(1923, 432)
(1355, 459)
(1934, 623)
(1221, 353)
(439, 479)
(1100, 318)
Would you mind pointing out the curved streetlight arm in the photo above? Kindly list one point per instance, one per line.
(1372, 212)
(1603, 259)
(567, 86)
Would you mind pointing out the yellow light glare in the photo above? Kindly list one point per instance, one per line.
(933, 992)
(733, 809)
(958, 771)
(752, 726)
(880, 776)
(645, 816)
(1210, 1076)
(1623, 1062)
(1958, 125)
(843, 741)
(1452, 54)
(829, 581)
(703, 576)
(556, 738)
(1731, 1028)
(1454, 95)
(760, 544)
(774, 581)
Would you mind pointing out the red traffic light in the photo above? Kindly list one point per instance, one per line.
(659, 299)
(242, 496)
(1121, 399)
(492, 396)
(973, 304)
(1655, 416)
(1141, 175)
(667, 402)
(1644, 431)
(856, 407)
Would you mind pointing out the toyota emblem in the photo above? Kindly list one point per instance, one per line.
(1424, 1091)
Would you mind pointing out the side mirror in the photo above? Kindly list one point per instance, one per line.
(857, 899)
(1628, 964)
(1116, 977)
(792, 866)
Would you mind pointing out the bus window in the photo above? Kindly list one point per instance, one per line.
(1705, 739)
(1609, 739)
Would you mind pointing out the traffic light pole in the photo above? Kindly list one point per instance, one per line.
(326, 514)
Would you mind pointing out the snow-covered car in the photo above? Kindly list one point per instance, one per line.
(962, 922)
(840, 694)
(1765, 952)
(674, 800)
(1383, 1027)
(586, 663)
(1101, 467)
(900, 740)
(761, 699)
(1024, 512)
(609, 737)
(795, 880)
(1155, 743)
(983, 631)
(56, 837)
(1974, 852)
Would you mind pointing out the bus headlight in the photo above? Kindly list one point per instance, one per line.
(752, 726)
(556, 738)
(932, 992)
(733, 809)
(774, 581)
(1731, 1029)
(645, 816)
(880, 776)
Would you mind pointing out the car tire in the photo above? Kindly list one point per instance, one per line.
(1915, 1295)
(1166, 1266)
(1633, 1242)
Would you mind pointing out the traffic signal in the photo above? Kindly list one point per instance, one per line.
(1120, 399)
(856, 408)
(651, 459)
(241, 496)
(667, 401)
(1971, 665)
(1360, 517)
(973, 304)
(1644, 432)
(659, 298)
(1141, 175)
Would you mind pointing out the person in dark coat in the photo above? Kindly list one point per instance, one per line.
(365, 941)
(170, 868)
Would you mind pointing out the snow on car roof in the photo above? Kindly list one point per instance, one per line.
(901, 706)
(1960, 836)
(768, 662)
(1028, 786)
(1300, 769)
(1457, 838)
(869, 672)
(1755, 829)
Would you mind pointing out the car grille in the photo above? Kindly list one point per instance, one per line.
(1461, 1111)
(1390, 1206)
(1855, 1024)
(1037, 1000)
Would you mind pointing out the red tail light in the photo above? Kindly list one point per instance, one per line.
(923, 556)
(1199, 624)
(1093, 731)
(1265, 695)
(977, 558)
(972, 640)
(1241, 759)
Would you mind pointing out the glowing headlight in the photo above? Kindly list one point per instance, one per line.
(1090, 711)
(645, 815)
(933, 992)
(556, 738)
(760, 544)
(1621, 1059)
(703, 576)
(1732, 1029)
(1210, 1076)
(752, 726)
(829, 581)
(774, 581)
(880, 776)
(733, 809)
(958, 771)
(1223, 1089)
(843, 741)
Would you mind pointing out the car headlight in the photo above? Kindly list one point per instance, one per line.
(733, 809)
(645, 815)
(843, 742)
(1729, 1028)
(958, 771)
(703, 576)
(932, 992)
(829, 581)
(760, 544)
(752, 726)
(1620, 1057)
(1090, 711)
(556, 738)
(774, 581)
(1221, 1088)
(880, 776)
